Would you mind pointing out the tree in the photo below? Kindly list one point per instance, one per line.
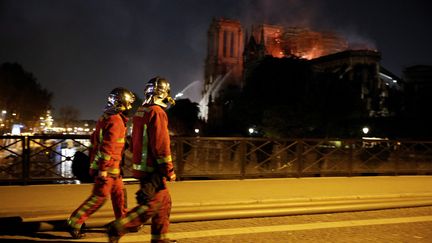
(68, 115)
(183, 117)
(272, 98)
(20, 93)
(287, 98)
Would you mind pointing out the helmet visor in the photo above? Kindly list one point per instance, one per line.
(128, 100)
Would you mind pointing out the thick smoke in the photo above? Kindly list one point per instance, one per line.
(312, 14)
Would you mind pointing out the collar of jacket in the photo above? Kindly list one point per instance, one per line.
(124, 117)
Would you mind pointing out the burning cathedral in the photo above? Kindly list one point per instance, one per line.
(232, 50)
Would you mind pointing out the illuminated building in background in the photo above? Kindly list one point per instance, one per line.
(2, 121)
(46, 122)
(11, 125)
(223, 73)
(224, 52)
(279, 41)
(230, 48)
(328, 54)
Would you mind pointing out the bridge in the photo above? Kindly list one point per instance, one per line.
(49, 158)
(222, 179)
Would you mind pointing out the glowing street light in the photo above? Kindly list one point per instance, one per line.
(365, 130)
(251, 131)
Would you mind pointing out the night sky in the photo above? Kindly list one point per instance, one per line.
(81, 49)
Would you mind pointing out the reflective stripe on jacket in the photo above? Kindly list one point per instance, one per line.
(150, 142)
(108, 141)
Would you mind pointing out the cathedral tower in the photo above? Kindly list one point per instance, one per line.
(224, 53)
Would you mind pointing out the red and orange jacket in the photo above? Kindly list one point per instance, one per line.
(150, 142)
(108, 141)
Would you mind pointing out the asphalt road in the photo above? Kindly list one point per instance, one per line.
(391, 225)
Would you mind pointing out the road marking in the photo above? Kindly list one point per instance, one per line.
(275, 228)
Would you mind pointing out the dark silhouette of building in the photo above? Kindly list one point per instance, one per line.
(363, 67)
(418, 88)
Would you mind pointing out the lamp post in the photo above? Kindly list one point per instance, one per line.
(365, 130)
(251, 131)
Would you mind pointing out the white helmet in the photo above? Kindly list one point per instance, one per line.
(157, 91)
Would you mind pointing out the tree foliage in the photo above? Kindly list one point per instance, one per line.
(273, 97)
(67, 115)
(183, 117)
(286, 98)
(22, 94)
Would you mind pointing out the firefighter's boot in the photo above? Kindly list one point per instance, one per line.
(76, 233)
(163, 241)
(113, 234)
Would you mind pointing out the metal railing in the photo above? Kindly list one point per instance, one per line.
(255, 157)
(39, 159)
(48, 158)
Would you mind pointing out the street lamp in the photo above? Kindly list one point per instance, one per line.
(251, 131)
(365, 130)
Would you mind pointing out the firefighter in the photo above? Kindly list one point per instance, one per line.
(108, 142)
(152, 165)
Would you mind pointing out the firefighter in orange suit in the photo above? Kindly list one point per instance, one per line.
(108, 141)
(152, 165)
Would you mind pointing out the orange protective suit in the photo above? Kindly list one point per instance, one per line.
(152, 165)
(108, 141)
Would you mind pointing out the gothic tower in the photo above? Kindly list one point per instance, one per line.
(224, 53)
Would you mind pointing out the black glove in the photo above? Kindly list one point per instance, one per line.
(149, 186)
(145, 193)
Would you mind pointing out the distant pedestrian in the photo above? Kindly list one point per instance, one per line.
(152, 165)
(108, 142)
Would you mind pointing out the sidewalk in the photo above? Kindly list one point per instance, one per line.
(223, 199)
